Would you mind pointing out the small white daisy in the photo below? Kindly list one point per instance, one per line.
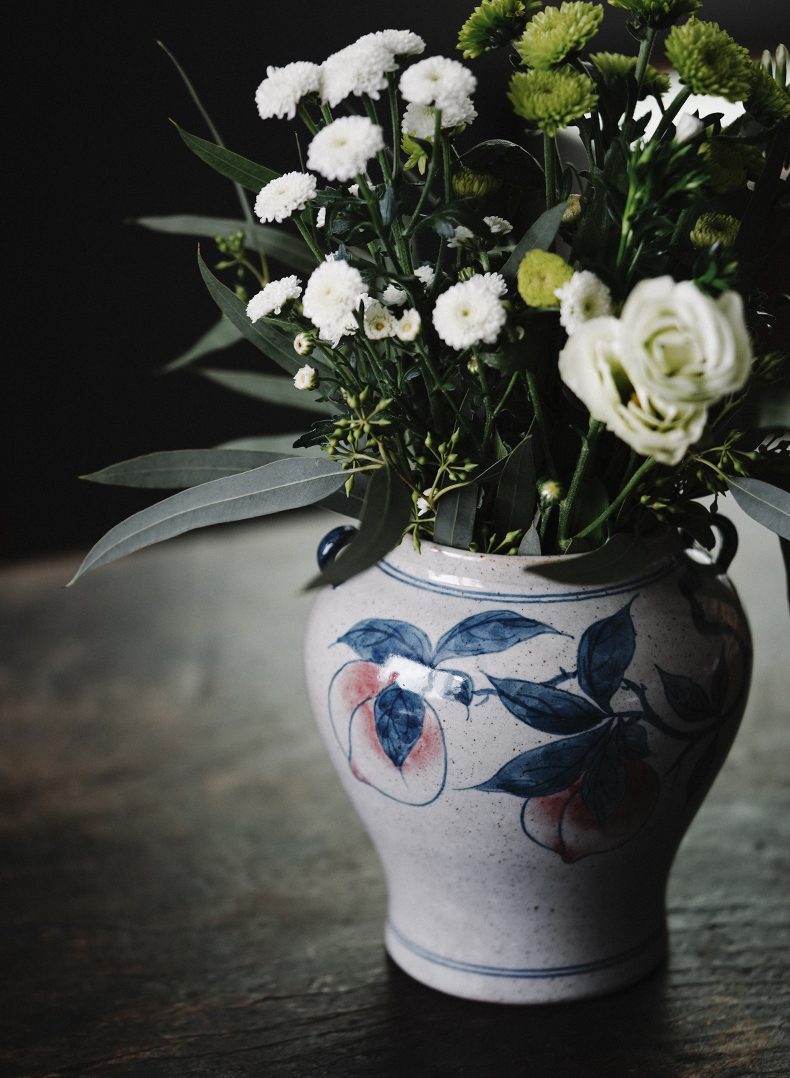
(408, 325)
(306, 378)
(284, 87)
(285, 195)
(437, 81)
(583, 297)
(426, 275)
(461, 234)
(334, 291)
(471, 311)
(498, 225)
(378, 321)
(273, 297)
(393, 296)
(342, 149)
(358, 69)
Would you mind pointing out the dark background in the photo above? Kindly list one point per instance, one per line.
(97, 305)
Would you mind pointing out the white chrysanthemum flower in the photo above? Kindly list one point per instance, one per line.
(342, 149)
(437, 81)
(287, 194)
(284, 87)
(378, 321)
(426, 275)
(408, 325)
(399, 42)
(320, 217)
(583, 297)
(393, 296)
(273, 297)
(420, 120)
(471, 311)
(358, 69)
(304, 344)
(354, 190)
(333, 331)
(334, 291)
(687, 126)
(461, 234)
(498, 225)
(306, 378)
(422, 507)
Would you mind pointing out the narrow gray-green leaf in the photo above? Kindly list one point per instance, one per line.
(623, 557)
(768, 505)
(514, 506)
(455, 517)
(285, 484)
(275, 443)
(229, 164)
(386, 513)
(221, 335)
(178, 469)
(268, 387)
(540, 235)
(530, 544)
(290, 250)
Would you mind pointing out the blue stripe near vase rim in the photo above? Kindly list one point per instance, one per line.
(516, 597)
(515, 973)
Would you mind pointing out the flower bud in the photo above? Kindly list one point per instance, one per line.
(573, 210)
(304, 343)
(550, 492)
(470, 184)
(306, 378)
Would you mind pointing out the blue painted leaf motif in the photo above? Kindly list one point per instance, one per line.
(546, 769)
(462, 688)
(376, 639)
(605, 780)
(553, 711)
(633, 741)
(686, 698)
(399, 716)
(605, 653)
(483, 634)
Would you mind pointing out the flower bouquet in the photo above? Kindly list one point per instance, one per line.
(490, 372)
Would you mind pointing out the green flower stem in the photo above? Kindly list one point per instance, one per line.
(307, 119)
(381, 156)
(672, 110)
(432, 397)
(395, 118)
(566, 508)
(618, 501)
(447, 168)
(549, 170)
(640, 70)
(375, 217)
(503, 399)
(326, 112)
(481, 374)
(685, 221)
(432, 170)
(308, 238)
(544, 441)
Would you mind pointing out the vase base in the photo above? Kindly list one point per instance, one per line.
(495, 984)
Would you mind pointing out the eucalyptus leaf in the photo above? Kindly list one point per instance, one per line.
(455, 517)
(530, 544)
(221, 335)
(229, 164)
(514, 506)
(284, 484)
(268, 387)
(180, 468)
(539, 236)
(274, 443)
(624, 556)
(386, 513)
(768, 505)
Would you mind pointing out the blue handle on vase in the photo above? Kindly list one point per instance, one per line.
(332, 543)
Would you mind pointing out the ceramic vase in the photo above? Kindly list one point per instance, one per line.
(526, 755)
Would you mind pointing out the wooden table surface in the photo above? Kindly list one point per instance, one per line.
(187, 891)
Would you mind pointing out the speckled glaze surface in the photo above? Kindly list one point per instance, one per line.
(526, 756)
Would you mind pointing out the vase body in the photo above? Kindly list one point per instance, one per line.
(526, 756)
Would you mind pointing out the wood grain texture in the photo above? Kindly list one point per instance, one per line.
(187, 891)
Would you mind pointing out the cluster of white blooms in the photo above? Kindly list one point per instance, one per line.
(306, 378)
(284, 87)
(426, 275)
(342, 149)
(471, 312)
(273, 297)
(498, 225)
(335, 290)
(583, 297)
(287, 194)
(393, 296)
(420, 120)
(362, 68)
(651, 374)
(437, 81)
(461, 234)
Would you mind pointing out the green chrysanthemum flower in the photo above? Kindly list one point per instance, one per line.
(614, 65)
(767, 101)
(658, 13)
(552, 99)
(709, 61)
(493, 24)
(555, 32)
(730, 164)
(715, 227)
(539, 274)
(470, 184)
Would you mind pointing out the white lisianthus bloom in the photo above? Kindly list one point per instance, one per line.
(378, 322)
(420, 120)
(422, 507)
(399, 42)
(583, 297)
(461, 234)
(593, 365)
(471, 311)
(320, 217)
(306, 378)
(687, 126)
(342, 149)
(284, 87)
(393, 296)
(334, 291)
(407, 327)
(683, 346)
(437, 81)
(304, 344)
(498, 225)
(426, 275)
(273, 297)
(287, 194)
(358, 69)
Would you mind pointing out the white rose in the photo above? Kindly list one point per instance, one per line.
(682, 346)
(593, 365)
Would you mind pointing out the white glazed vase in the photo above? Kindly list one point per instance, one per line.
(526, 756)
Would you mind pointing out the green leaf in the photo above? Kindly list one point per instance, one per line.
(539, 236)
(180, 468)
(769, 409)
(221, 335)
(282, 444)
(284, 484)
(290, 250)
(455, 517)
(229, 164)
(514, 506)
(268, 387)
(386, 514)
(624, 556)
(591, 501)
(768, 505)
(530, 544)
